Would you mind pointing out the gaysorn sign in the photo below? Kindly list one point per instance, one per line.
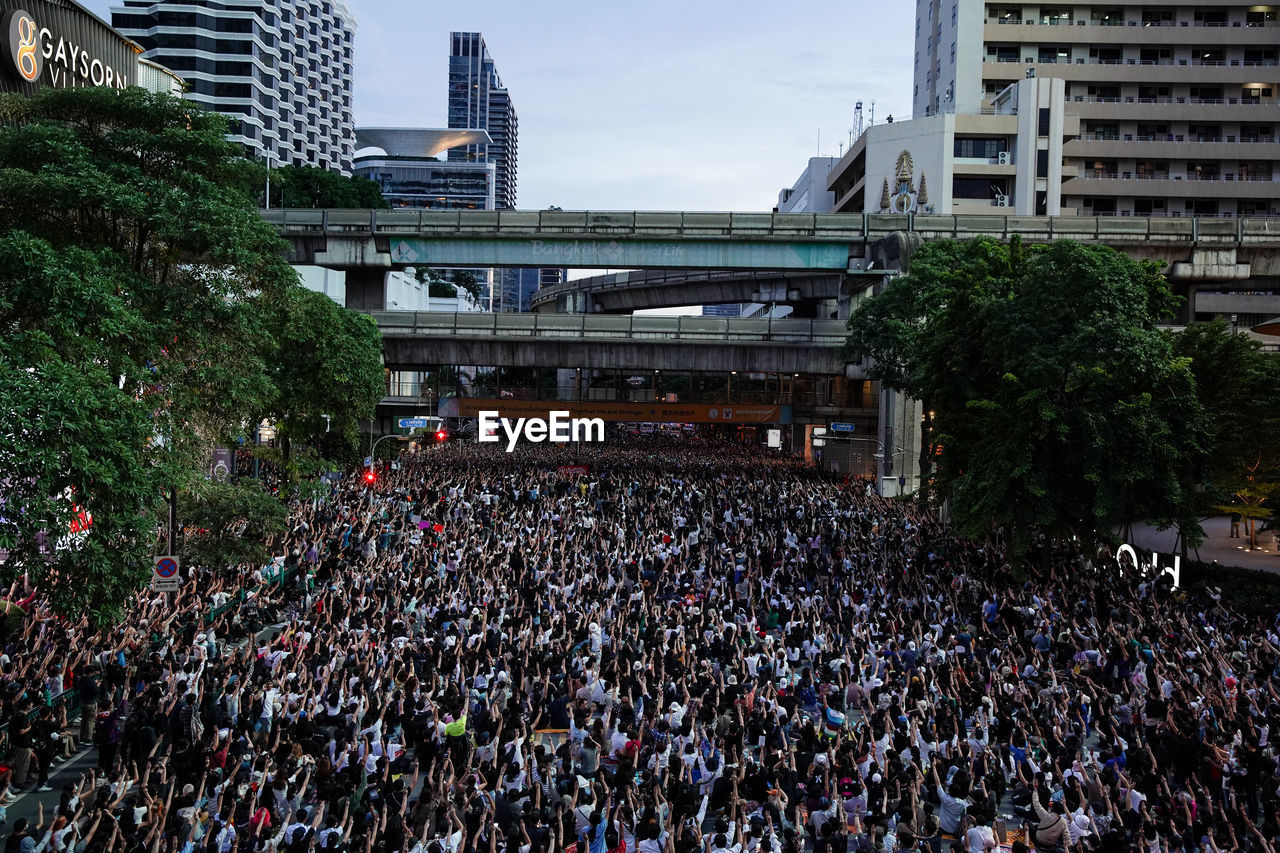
(58, 44)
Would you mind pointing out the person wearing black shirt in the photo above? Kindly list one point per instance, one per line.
(20, 742)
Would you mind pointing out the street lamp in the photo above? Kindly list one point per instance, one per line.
(369, 476)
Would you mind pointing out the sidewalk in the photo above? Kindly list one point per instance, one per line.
(1218, 546)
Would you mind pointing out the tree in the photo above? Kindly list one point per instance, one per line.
(1236, 383)
(445, 284)
(142, 314)
(311, 186)
(133, 270)
(330, 373)
(1059, 407)
(229, 524)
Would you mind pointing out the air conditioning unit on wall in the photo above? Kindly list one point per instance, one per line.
(1004, 158)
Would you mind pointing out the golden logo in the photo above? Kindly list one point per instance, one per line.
(24, 44)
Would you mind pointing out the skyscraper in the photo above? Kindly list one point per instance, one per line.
(281, 69)
(478, 100)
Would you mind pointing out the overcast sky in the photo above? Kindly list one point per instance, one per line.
(706, 105)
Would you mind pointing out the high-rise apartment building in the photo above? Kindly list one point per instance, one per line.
(1177, 101)
(281, 69)
(478, 100)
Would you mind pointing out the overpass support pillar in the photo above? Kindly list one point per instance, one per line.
(1210, 265)
(367, 289)
(1205, 266)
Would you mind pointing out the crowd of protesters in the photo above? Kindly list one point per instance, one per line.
(686, 648)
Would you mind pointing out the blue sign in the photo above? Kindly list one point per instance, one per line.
(842, 428)
(413, 423)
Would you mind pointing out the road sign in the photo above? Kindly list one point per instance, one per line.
(413, 423)
(164, 574)
(842, 428)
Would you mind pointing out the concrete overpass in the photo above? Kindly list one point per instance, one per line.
(624, 292)
(413, 340)
(1207, 252)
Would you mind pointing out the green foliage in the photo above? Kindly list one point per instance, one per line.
(143, 303)
(330, 363)
(1236, 382)
(1059, 406)
(228, 524)
(311, 186)
(445, 285)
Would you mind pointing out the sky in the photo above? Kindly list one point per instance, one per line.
(702, 105)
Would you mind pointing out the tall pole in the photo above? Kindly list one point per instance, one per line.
(173, 521)
(268, 179)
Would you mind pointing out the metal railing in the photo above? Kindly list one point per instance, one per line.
(1178, 138)
(1230, 178)
(1093, 23)
(1092, 60)
(611, 327)
(1183, 101)
(818, 227)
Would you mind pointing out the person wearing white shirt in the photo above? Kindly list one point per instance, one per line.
(979, 838)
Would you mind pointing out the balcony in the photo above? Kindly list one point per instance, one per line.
(1095, 33)
(1172, 147)
(1172, 109)
(1165, 71)
(1169, 186)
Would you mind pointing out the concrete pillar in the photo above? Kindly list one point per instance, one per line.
(367, 289)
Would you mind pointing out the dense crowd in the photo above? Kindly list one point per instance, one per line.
(687, 648)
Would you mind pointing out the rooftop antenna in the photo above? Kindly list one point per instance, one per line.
(873, 114)
(857, 123)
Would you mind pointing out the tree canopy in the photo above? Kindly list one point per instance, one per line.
(311, 186)
(142, 310)
(1058, 405)
(1236, 383)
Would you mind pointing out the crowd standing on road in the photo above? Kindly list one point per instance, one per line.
(688, 648)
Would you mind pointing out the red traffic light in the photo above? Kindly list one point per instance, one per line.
(441, 435)
(370, 476)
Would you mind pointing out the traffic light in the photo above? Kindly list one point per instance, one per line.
(369, 476)
(441, 435)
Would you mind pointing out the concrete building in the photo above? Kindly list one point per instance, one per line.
(404, 291)
(809, 194)
(477, 99)
(1007, 158)
(1177, 101)
(62, 45)
(281, 69)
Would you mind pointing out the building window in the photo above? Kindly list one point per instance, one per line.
(980, 147)
(1043, 124)
(1042, 163)
(978, 188)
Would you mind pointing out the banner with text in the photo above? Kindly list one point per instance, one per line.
(666, 413)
